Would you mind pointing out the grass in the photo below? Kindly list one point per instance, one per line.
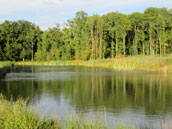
(17, 115)
(141, 63)
(5, 64)
(4, 68)
(145, 63)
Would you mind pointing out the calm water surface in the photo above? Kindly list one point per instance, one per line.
(136, 98)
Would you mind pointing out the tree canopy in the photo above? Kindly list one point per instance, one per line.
(89, 37)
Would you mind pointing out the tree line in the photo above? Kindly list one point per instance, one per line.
(89, 37)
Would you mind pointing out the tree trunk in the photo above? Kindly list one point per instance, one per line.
(32, 50)
(97, 43)
(143, 49)
(112, 46)
(23, 57)
(124, 44)
(164, 37)
(160, 44)
(116, 43)
(104, 49)
(150, 38)
(92, 41)
(135, 49)
(100, 47)
(156, 50)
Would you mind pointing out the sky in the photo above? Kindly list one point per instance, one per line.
(48, 13)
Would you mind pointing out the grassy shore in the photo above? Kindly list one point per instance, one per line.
(4, 68)
(141, 63)
(16, 115)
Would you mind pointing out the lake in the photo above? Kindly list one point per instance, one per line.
(143, 99)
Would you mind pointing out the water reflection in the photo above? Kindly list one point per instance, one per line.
(135, 96)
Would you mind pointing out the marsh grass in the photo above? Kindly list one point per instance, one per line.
(17, 115)
(145, 63)
(119, 125)
(141, 63)
(81, 123)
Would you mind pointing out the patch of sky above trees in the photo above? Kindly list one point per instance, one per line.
(89, 37)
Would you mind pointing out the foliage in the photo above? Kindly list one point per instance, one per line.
(89, 37)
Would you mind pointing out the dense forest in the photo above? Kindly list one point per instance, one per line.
(89, 37)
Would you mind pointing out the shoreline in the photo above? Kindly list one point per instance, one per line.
(17, 114)
(133, 63)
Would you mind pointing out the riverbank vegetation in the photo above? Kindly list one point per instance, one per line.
(90, 37)
(17, 115)
(5, 64)
(141, 63)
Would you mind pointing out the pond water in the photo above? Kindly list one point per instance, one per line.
(142, 99)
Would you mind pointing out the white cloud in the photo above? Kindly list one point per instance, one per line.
(52, 1)
(61, 9)
(12, 6)
(1, 20)
(46, 22)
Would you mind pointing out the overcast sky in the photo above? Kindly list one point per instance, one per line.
(47, 13)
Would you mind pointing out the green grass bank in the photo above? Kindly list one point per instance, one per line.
(17, 115)
(131, 63)
(5, 68)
